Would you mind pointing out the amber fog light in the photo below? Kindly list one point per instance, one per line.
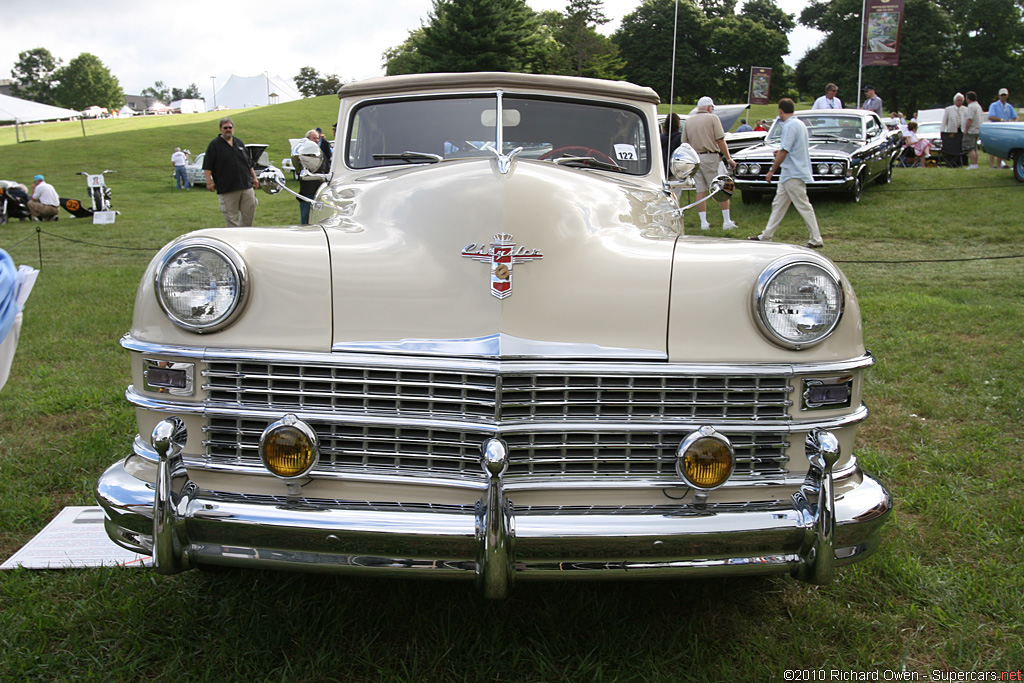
(289, 448)
(705, 459)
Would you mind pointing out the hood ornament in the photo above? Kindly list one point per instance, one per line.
(502, 254)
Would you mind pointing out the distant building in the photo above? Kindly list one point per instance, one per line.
(5, 87)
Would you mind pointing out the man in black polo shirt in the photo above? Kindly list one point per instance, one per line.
(230, 174)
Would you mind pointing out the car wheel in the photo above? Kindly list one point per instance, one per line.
(1018, 166)
(751, 197)
(858, 189)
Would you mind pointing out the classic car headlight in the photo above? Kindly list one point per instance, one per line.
(201, 285)
(705, 459)
(837, 169)
(798, 303)
(289, 448)
(823, 169)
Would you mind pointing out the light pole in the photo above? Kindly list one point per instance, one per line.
(214, 79)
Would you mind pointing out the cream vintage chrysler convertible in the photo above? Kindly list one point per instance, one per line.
(498, 357)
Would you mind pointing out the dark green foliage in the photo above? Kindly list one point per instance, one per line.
(86, 82)
(477, 35)
(311, 84)
(35, 75)
(945, 46)
(715, 47)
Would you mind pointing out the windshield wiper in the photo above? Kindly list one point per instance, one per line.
(829, 136)
(410, 157)
(588, 162)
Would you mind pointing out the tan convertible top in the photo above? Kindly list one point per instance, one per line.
(490, 80)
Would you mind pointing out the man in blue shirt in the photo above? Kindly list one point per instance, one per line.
(1000, 110)
(793, 163)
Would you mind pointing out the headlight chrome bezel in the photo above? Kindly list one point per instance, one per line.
(770, 274)
(235, 265)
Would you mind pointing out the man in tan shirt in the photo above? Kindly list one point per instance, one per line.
(703, 131)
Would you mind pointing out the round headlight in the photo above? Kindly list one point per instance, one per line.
(683, 162)
(705, 459)
(822, 169)
(753, 169)
(798, 303)
(837, 169)
(289, 448)
(201, 285)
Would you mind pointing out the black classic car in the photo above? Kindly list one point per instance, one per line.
(849, 148)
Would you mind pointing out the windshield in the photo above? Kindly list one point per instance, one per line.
(430, 130)
(825, 126)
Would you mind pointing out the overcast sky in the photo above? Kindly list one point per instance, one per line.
(188, 41)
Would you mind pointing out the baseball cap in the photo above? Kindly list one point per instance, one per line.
(39, 177)
(868, 87)
(705, 102)
(1004, 91)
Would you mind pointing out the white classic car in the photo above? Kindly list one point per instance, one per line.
(497, 356)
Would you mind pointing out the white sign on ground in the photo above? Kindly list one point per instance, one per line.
(74, 539)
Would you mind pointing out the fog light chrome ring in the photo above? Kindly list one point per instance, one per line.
(289, 448)
(705, 459)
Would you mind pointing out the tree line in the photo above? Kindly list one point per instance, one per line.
(946, 45)
(84, 82)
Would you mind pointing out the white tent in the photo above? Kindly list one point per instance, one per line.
(18, 111)
(254, 91)
(23, 111)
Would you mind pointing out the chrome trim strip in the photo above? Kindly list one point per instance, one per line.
(498, 346)
(481, 365)
(533, 424)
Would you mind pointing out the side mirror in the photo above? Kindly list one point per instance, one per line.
(721, 188)
(271, 180)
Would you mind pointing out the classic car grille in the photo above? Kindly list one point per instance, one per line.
(817, 177)
(394, 449)
(505, 397)
(462, 406)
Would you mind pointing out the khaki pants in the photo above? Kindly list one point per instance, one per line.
(792, 191)
(238, 207)
(44, 211)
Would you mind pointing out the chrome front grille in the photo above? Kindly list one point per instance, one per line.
(496, 397)
(373, 449)
(413, 421)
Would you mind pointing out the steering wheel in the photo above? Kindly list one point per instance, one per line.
(586, 151)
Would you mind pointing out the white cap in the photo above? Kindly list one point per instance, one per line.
(1004, 91)
(705, 102)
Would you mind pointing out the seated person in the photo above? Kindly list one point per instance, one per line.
(921, 146)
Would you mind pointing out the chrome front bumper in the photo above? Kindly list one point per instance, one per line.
(494, 542)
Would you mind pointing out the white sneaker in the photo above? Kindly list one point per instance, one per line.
(729, 225)
(706, 226)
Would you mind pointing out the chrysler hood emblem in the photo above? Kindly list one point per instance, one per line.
(502, 254)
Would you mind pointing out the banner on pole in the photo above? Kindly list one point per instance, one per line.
(760, 85)
(883, 21)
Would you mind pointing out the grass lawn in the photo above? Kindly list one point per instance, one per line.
(944, 592)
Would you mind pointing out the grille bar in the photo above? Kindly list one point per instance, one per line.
(496, 396)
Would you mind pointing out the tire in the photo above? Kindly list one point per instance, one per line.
(752, 197)
(858, 189)
(1018, 166)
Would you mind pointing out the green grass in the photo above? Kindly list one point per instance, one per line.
(945, 591)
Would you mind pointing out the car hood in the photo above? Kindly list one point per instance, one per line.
(412, 272)
(819, 149)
